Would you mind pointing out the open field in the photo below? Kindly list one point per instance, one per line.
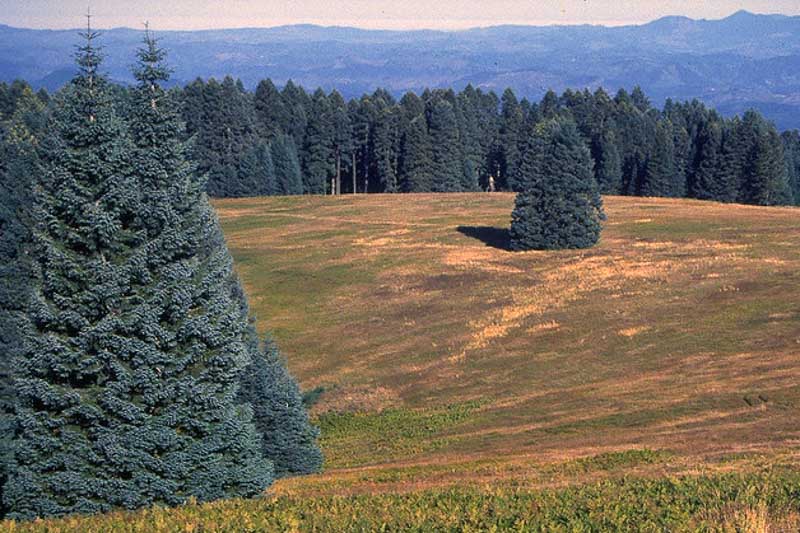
(669, 354)
(679, 333)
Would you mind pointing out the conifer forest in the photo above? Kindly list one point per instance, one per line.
(453, 309)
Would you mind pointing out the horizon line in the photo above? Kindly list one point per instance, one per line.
(478, 26)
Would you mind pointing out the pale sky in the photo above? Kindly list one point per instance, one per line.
(397, 14)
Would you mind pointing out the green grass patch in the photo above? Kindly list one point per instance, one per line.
(363, 438)
(615, 460)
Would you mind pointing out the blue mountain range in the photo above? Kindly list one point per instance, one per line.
(740, 62)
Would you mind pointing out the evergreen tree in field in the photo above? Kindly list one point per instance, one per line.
(447, 168)
(289, 439)
(559, 203)
(286, 164)
(256, 173)
(416, 159)
(318, 153)
(133, 345)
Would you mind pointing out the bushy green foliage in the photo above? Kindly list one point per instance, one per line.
(20, 133)
(559, 203)
(445, 141)
(288, 438)
(132, 345)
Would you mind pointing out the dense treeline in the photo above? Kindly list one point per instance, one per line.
(447, 141)
(287, 141)
(130, 370)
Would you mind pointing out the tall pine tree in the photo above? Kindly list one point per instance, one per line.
(447, 169)
(128, 375)
(416, 158)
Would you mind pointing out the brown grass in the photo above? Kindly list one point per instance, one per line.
(680, 331)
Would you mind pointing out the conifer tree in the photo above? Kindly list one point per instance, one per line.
(298, 107)
(511, 124)
(128, 375)
(289, 439)
(791, 149)
(272, 117)
(256, 173)
(318, 152)
(447, 168)
(706, 184)
(342, 137)
(766, 181)
(361, 115)
(20, 136)
(659, 175)
(608, 167)
(559, 203)
(469, 132)
(416, 158)
(383, 150)
(288, 176)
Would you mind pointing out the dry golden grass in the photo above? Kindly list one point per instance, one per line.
(680, 331)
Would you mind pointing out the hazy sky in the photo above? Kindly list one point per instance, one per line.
(396, 14)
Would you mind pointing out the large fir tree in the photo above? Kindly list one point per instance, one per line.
(133, 345)
(559, 203)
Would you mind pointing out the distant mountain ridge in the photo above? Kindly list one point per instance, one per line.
(735, 63)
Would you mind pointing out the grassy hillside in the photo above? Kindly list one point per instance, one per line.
(679, 332)
(663, 362)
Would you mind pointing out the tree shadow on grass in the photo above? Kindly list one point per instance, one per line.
(490, 236)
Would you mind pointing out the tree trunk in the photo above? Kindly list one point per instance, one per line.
(338, 173)
(354, 172)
